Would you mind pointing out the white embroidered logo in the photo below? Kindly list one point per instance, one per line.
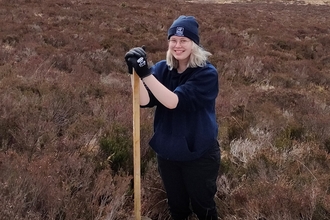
(141, 62)
(179, 31)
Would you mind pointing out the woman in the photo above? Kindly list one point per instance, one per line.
(183, 88)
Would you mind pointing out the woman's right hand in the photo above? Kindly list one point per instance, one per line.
(137, 58)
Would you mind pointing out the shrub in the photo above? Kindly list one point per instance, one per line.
(117, 150)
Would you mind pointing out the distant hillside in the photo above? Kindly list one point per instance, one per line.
(294, 2)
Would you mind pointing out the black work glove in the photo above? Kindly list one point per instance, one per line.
(137, 58)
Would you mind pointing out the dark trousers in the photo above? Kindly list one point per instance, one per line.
(191, 184)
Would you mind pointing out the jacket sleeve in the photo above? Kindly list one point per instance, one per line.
(200, 91)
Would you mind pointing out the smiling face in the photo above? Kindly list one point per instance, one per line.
(180, 48)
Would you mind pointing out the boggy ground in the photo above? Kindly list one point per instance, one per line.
(66, 113)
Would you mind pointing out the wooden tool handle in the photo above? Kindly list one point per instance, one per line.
(136, 145)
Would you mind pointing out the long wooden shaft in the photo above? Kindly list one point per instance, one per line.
(136, 145)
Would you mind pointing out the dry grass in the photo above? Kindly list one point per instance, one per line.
(66, 120)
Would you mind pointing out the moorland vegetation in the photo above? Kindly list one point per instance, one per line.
(66, 109)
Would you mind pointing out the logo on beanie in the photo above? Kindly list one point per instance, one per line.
(179, 31)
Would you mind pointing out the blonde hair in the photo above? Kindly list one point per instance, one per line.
(198, 58)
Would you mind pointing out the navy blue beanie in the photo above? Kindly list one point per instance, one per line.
(184, 26)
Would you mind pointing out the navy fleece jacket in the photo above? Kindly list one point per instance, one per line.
(188, 131)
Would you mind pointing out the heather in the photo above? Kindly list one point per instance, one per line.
(66, 107)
